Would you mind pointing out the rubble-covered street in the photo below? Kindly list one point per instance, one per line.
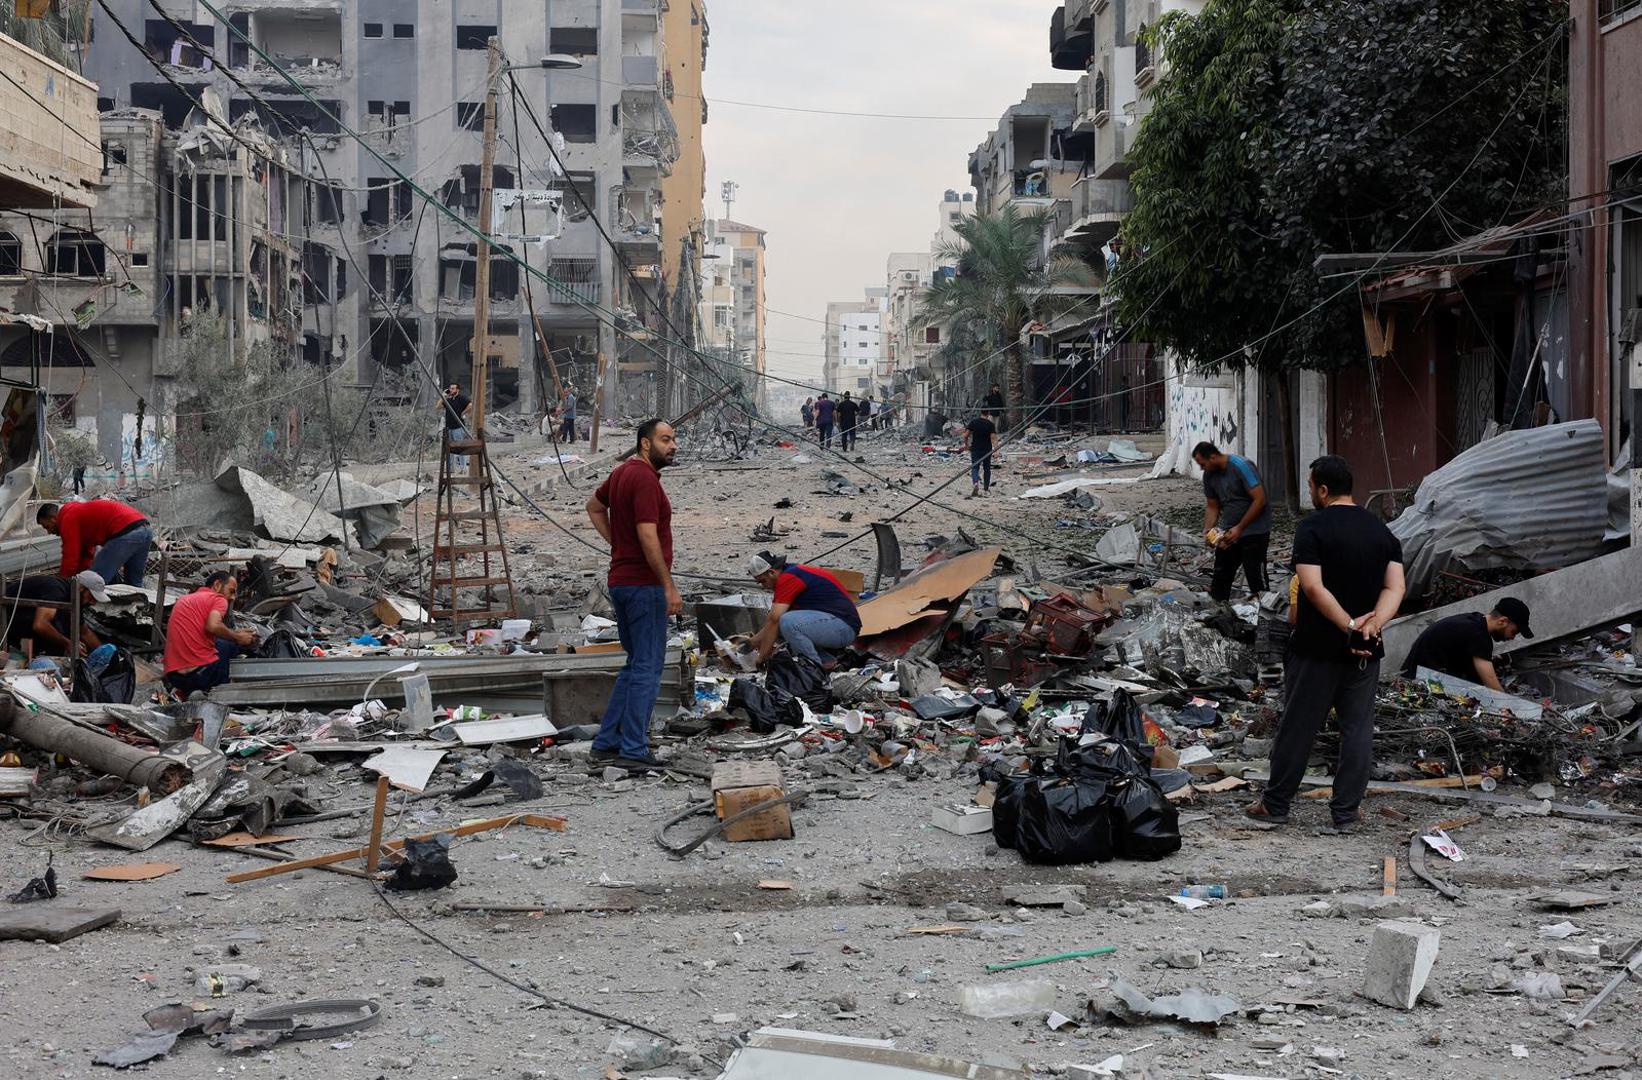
(870, 921)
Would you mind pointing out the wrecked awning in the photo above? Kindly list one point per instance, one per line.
(1534, 499)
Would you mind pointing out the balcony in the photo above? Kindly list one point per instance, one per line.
(1080, 16)
(50, 131)
(640, 71)
(1097, 211)
(1069, 49)
(1093, 102)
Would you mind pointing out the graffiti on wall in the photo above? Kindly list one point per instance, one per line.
(1198, 410)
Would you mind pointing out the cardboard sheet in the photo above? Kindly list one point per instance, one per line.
(932, 589)
(245, 839)
(131, 872)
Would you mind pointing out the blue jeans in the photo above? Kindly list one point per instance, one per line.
(567, 429)
(123, 559)
(976, 467)
(641, 622)
(204, 678)
(458, 462)
(807, 632)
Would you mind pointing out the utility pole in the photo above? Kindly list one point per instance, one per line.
(481, 271)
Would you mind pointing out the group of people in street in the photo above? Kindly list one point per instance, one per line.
(812, 612)
(847, 415)
(1347, 584)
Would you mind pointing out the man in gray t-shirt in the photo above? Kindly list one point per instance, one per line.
(1236, 519)
(567, 416)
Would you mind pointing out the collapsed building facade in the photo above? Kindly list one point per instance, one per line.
(307, 238)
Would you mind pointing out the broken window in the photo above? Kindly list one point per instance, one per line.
(73, 253)
(316, 274)
(402, 277)
(324, 203)
(404, 30)
(575, 279)
(139, 258)
(11, 255)
(394, 342)
(577, 123)
(462, 192)
(504, 278)
(286, 115)
(574, 40)
(470, 115)
(373, 30)
(474, 36)
(932, 335)
(239, 52)
(105, 104)
(163, 98)
(578, 198)
(297, 39)
(378, 274)
(166, 44)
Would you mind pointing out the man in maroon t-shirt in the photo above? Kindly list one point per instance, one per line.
(631, 511)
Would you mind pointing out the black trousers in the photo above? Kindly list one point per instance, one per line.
(846, 433)
(1310, 689)
(1249, 555)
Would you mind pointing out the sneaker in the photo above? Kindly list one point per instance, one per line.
(647, 763)
(1343, 828)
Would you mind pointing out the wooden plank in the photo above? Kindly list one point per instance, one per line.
(1389, 876)
(538, 821)
(52, 922)
(1434, 782)
(373, 857)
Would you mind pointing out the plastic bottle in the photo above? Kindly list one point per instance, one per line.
(997, 1000)
(1204, 892)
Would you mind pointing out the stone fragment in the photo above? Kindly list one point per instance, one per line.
(1400, 958)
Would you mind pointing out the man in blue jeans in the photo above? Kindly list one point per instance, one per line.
(978, 435)
(631, 511)
(812, 612)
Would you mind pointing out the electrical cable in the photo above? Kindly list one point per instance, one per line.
(556, 1002)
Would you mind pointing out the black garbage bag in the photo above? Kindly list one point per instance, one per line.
(1145, 824)
(1064, 820)
(1121, 719)
(115, 684)
(1107, 758)
(427, 865)
(751, 698)
(1007, 792)
(799, 678)
(282, 644)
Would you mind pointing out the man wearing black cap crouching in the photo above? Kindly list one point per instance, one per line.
(1463, 645)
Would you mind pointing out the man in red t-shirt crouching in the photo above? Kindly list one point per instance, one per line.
(198, 643)
(632, 512)
(812, 612)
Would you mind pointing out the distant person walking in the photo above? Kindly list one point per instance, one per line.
(849, 410)
(994, 400)
(978, 435)
(825, 410)
(807, 411)
(631, 511)
(869, 416)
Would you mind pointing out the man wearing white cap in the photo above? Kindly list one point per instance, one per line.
(48, 627)
(812, 612)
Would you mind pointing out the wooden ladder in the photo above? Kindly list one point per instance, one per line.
(454, 541)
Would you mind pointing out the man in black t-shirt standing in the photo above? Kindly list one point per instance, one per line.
(455, 406)
(978, 435)
(848, 410)
(1350, 568)
(1463, 645)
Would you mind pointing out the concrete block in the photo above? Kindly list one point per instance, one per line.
(1400, 958)
(1357, 905)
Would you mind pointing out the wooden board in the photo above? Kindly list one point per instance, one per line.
(146, 871)
(539, 821)
(245, 839)
(47, 921)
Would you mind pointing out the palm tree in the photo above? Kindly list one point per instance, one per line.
(1003, 283)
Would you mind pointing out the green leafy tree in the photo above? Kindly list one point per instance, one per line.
(231, 399)
(1002, 284)
(1285, 129)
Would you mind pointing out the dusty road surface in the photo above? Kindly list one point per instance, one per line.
(819, 932)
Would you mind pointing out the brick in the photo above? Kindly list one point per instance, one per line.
(1400, 958)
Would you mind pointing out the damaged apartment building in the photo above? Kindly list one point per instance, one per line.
(313, 242)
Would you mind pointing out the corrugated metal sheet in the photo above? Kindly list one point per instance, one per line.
(1534, 499)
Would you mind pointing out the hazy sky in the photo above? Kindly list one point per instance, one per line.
(839, 193)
